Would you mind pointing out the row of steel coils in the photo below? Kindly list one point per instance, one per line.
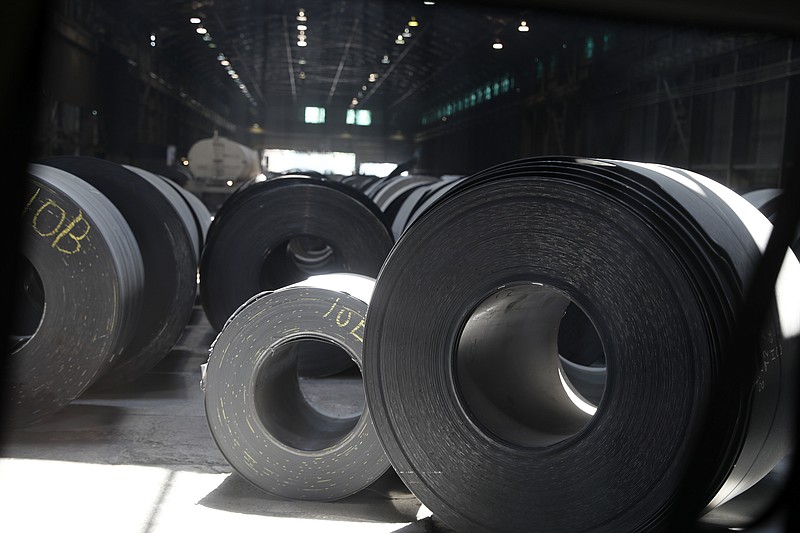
(547, 344)
(106, 283)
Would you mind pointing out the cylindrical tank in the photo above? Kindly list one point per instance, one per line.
(219, 158)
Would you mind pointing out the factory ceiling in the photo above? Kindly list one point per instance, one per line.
(400, 56)
(387, 54)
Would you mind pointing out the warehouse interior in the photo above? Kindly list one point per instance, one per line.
(436, 89)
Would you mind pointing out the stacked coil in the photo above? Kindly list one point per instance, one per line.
(108, 280)
(475, 408)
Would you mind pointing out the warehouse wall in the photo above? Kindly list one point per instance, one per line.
(717, 103)
(105, 94)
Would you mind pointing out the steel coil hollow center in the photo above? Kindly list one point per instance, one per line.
(29, 304)
(509, 375)
(296, 259)
(302, 416)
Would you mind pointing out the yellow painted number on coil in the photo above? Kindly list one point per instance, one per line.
(345, 318)
(52, 221)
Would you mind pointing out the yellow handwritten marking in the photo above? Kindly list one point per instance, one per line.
(339, 317)
(76, 238)
(39, 212)
(331, 309)
(353, 331)
(60, 231)
(28, 205)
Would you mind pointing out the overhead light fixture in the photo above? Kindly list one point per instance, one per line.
(301, 61)
(302, 43)
(302, 27)
(354, 102)
(523, 26)
(201, 30)
(363, 87)
(195, 20)
(207, 37)
(302, 74)
(385, 59)
(406, 33)
(372, 78)
(235, 76)
(497, 45)
(413, 22)
(212, 45)
(399, 40)
(224, 62)
(429, 3)
(301, 16)
(220, 57)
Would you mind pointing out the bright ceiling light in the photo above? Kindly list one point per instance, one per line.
(224, 62)
(413, 22)
(399, 40)
(235, 76)
(302, 27)
(523, 26)
(302, 43)
(406, 33)
(385, 59)
(201, 30)
(429, 3)
(354, 102)
(195, 20)
(301, 16)
(372, 78)
(497, 45)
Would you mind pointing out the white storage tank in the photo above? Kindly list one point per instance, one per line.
(220, 159)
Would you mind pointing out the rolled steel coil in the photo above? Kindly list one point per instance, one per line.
(178, 203)
(200, 213)
(767, 201)
(399, 186)
(78, 296)
(247, 249)
(259, 415)
(461, 366)
(416, 203)
(168, 255)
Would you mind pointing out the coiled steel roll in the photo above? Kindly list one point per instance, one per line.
(78, 298)
(260, 417)
(462, 372)
(200, 214)
(248, 246)
(150, 207)
(767, 201)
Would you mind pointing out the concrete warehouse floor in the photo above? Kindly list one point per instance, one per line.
(142, 460)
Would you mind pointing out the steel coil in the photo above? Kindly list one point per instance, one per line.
(263, 421)
(168, 256)
(767, 201)
(462, 369)
(248, 246)
(78, 297)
